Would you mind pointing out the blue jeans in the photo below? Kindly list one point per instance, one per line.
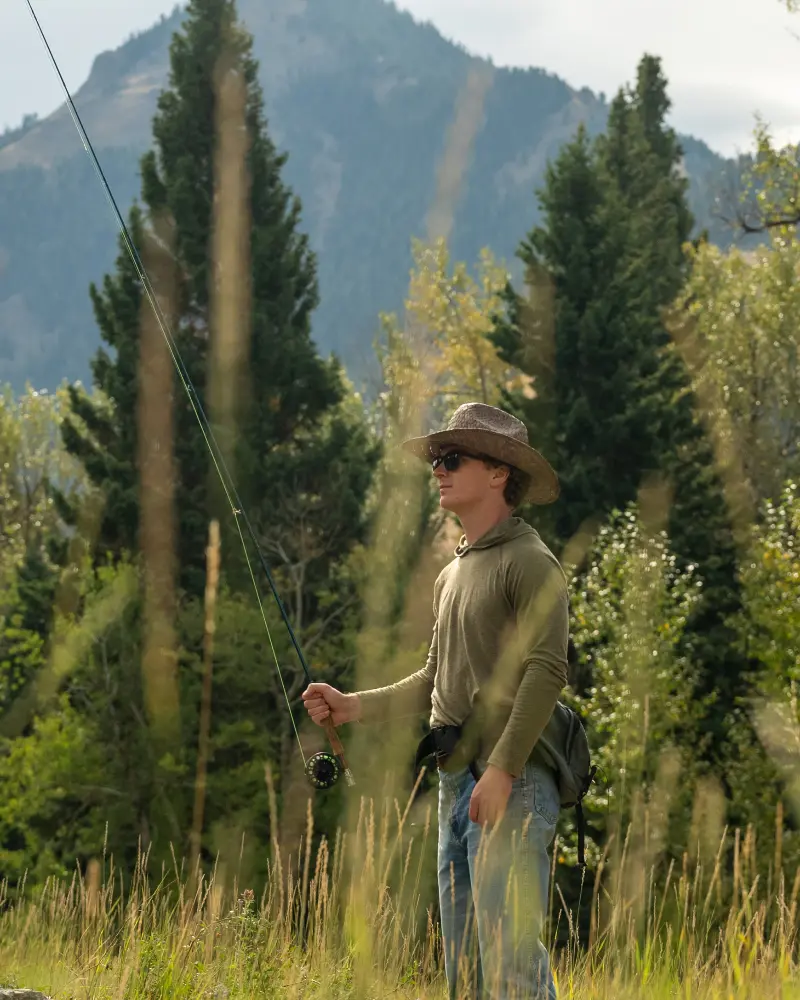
(501, 875)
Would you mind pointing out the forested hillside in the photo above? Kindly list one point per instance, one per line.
(361, 98)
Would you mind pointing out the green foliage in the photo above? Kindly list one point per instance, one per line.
(246, 701)
(744, 312)
(771, 585)
(88, 776)
(762, 769)
(630, 611)
(770, 197)
(130, 795)
(448, 314)
(52, 779)
(32, 463)
(556, 337)
(21, 656)
(736, 330)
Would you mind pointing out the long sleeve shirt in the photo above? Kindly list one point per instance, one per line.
(501, 627)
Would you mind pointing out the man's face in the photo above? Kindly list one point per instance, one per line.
(468, 484)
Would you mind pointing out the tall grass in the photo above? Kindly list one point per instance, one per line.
(354, 918)
(309, 934)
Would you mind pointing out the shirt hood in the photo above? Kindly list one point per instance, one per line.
(505, 531)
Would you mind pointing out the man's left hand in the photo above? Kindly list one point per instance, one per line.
(490, 796)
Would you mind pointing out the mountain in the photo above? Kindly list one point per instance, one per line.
(361, 97)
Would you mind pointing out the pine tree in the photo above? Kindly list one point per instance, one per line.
(700, 523)
(292, 391)
(612, 404)
(605, 262)
(554, 332)
(302, 456)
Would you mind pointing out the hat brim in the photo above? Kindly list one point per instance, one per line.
(544, 487)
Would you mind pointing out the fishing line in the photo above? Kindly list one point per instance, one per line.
(217, 457)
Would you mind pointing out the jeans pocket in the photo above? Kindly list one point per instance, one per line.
(546, 798)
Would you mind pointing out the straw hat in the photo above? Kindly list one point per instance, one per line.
(487, 430)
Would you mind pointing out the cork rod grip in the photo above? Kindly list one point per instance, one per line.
(338, 749)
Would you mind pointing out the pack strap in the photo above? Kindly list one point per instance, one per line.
(580, 823)
(439, 745)
(425, 750)
(580, 820)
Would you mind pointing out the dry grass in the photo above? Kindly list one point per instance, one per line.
(309, 935)
(352, 918)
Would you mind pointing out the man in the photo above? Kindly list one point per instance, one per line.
(496, 666)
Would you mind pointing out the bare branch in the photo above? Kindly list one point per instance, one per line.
(779, 222)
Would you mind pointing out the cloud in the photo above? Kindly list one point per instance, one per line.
(77, 30)
(725, 116)
(725, 59)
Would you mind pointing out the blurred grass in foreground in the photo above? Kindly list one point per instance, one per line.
(91, 938)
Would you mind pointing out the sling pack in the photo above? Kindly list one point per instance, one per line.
(563, 747)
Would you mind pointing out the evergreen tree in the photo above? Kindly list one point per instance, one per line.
(302, 459)
(559, 331)
(610, 244)
(293, 392)
(612, 405)
(37, 580)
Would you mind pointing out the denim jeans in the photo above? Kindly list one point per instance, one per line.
(502, 876)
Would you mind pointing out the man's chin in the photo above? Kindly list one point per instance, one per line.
(446, 502)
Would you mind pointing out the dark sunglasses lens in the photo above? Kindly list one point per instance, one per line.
(450, 461)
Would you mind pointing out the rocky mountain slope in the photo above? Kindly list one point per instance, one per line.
(361, 97)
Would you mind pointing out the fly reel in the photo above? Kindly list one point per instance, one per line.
(323, 769)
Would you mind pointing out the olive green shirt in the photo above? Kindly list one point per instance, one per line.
(501, 628)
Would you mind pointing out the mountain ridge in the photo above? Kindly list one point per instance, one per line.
(361, 97)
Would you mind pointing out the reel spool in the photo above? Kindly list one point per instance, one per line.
(323, 769)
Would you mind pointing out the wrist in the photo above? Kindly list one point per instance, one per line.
(355, 706)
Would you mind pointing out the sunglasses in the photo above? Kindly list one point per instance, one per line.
(452, 460)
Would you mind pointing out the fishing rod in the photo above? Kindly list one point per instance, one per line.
(322, 769)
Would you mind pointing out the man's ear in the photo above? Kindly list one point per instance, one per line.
(500, 474)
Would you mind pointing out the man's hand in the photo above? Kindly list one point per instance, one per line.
(322, 701)
(490, 796)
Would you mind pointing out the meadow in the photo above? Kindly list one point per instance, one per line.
(355, 919)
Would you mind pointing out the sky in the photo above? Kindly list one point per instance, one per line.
(726, 60)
